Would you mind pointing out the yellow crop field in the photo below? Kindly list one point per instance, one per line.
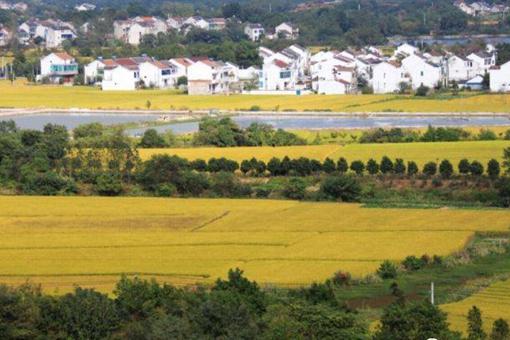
(22, 95)
(494, 303)
(91, 241)
(421, 153)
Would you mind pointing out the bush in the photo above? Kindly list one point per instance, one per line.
(166, 190)
(295, 188)
(190, 183)
(412, 263)
(328, 166)
(344, 188)
(108, 184)
(387, 270)
(486, 134)
(430, 169)
(422, 91)
(341, 279)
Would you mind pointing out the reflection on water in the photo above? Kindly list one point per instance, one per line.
(283, 122)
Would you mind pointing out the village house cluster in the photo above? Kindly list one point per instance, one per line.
(18, 6)
(50, 32)
(133, 30)
(293, 70)
(481, 8)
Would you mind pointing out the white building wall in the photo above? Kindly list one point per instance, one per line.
(120, 79)
(387, 78)
(500, 78)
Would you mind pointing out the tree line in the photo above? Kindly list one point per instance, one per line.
(232, 308)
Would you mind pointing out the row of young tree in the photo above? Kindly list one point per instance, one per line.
(235, 308)
(305, 167)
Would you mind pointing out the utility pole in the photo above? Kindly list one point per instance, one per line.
(432, 292)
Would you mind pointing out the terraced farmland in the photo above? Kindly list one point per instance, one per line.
(61, 241)
(419, 152)
(494, 302)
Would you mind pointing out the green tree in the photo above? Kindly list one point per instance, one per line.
(506, 160)
(414, 321)
(386, 165)
(464, 166)
(476, 168)
(400, 167)
(430, 169)
(372, 167)
(475, 325)
(412, 168)
(328, 166)
(446, 169)
(152, 139)
(493, 169)
(387, 270)
(358, 167)
(342, 165)
(500, 330)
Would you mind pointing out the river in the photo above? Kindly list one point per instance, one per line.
(37, 121)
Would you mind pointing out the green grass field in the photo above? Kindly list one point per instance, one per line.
(22, 95)
(421, 153)
(90, 241)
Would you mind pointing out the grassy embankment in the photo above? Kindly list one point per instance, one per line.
(21, 95)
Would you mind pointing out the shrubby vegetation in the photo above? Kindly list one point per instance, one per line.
(106, 162)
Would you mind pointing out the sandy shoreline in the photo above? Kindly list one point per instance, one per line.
(195, 113)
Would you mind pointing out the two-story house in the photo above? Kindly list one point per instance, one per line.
(254, 31)
(58, 68)
(388, 76)
(133, 30)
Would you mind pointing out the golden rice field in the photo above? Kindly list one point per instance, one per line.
(421, 153)
(90, 241)
(494, 303)
(22, 95)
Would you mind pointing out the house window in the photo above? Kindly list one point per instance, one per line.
(136, 75)
(421, 73)
(166, 72)
(285, 74)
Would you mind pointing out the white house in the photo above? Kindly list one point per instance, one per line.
(278, 75)
(159, 74)
(287, 30)
(482, 61)
(212, 77)
(133, 30)
(334, 86)
(175, 23)
(500, 78)
(93, 72)
(5, 36)
(475, 83)
(58, 67)
(405, 50)
(85, 7)
(124, 76)
(387, 77)
(459, 68)
(217, 24)
(52, 32)
(197, 22)
(422, 71)
(254, 31)
(181, 66)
